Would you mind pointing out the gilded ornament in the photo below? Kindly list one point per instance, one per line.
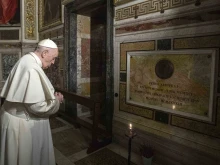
(30, 18)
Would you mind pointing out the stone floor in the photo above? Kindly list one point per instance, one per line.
(70, 146)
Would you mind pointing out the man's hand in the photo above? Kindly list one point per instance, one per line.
(59, 96)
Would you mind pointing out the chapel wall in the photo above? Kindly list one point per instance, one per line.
(18, 37)
(160, 30)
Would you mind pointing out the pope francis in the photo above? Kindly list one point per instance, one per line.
(25, 135)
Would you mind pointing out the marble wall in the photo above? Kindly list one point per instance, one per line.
(83, 60)
(176, 139)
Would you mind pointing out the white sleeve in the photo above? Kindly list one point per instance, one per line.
(45, 108)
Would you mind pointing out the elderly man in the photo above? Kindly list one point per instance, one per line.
(29, 101)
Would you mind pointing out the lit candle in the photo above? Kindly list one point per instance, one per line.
(174, 106)
(130, 126)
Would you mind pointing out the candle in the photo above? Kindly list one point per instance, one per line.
(130, 126)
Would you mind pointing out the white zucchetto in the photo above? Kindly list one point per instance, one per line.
(47, 43)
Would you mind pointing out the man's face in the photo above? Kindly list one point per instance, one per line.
(49, 57)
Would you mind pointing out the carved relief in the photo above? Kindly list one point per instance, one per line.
(30, 19)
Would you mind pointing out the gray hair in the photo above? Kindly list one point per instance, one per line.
(40, 49)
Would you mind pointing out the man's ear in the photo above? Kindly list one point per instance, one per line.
(44, 53)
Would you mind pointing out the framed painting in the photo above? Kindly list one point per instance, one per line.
(50, 14)
(177, 82)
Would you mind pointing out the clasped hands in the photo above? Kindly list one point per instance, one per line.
(59, 96)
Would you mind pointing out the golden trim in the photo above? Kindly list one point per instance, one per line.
(42, 25)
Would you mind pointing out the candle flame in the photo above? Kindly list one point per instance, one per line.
(130, 126)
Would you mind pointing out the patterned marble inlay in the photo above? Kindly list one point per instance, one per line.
(131, 108)
(206, 16)
(133, 46)
(208, 129)
(8, 61)
(149, 7)
(103, 157)
(197, 42)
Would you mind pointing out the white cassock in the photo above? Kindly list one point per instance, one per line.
(25, 130)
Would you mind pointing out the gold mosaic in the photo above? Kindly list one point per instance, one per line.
(133, 46)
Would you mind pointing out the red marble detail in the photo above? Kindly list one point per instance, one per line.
(186, 20)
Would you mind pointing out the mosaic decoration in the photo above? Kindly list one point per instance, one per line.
(30, 19)
(179, 82)
(145, 112)
(8, 61)
(197, 42)
(147, 7)
(147, 45)
(103, 157)
(184, 20)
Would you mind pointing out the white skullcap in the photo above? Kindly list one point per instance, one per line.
(47, 43)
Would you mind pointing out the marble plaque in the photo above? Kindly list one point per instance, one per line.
(178, 82)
